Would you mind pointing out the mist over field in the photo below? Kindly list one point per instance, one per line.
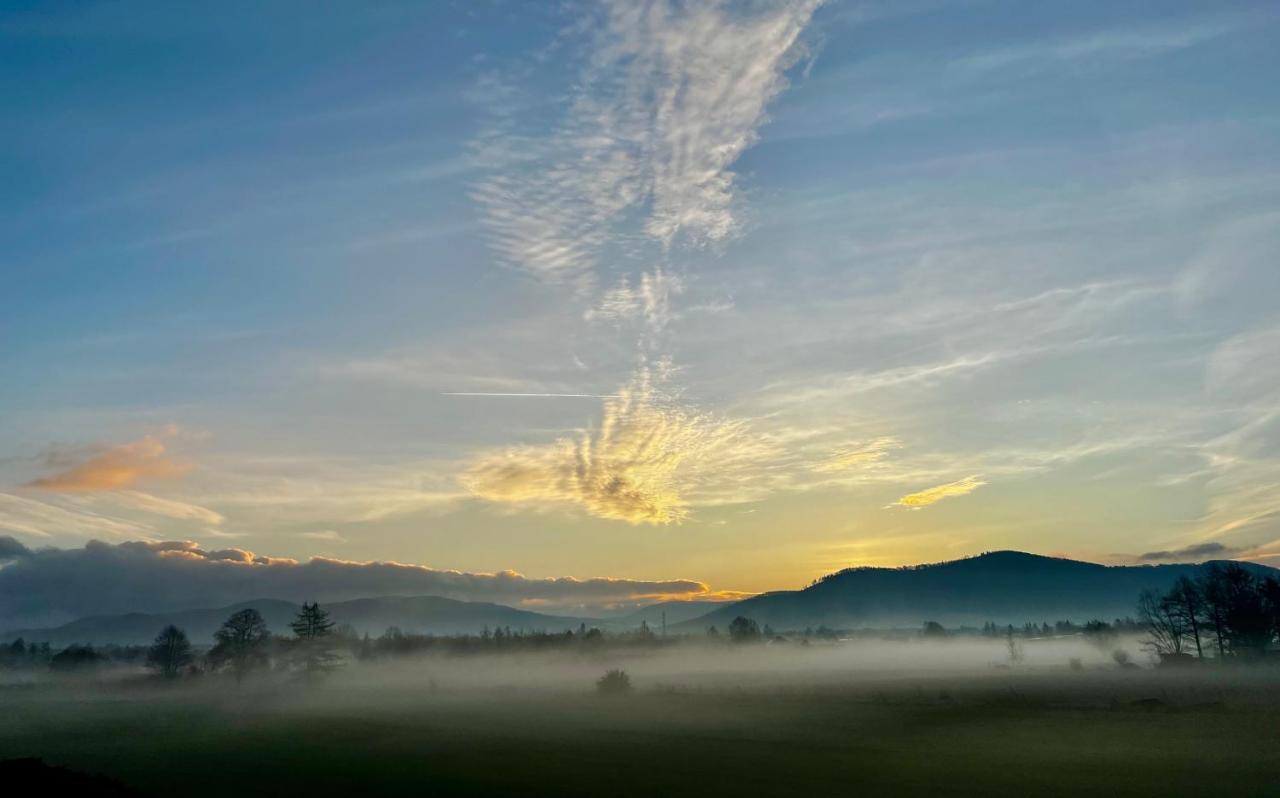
(700, 718)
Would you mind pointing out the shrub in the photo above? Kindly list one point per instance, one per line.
(615, 682)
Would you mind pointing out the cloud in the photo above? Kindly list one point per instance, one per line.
(115, 468)
(924, 498)
(1195, 551)
(649, 459)
(56, 585)
(858, 455)
(649, 301)
(41, 519)
(319, 490)
(170, 508)
(1240, 457)
(668, 97)
(1099, 48)
(11, 548)
(327, 535)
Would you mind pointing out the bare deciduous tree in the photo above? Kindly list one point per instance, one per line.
(242, 642)
(170, 652)
(1165, 628)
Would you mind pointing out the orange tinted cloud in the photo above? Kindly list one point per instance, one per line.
(116, 468)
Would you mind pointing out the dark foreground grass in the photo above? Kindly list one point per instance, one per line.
(923, 738)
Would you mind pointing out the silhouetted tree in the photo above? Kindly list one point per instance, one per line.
(1213, 591)
(1187, 600)
(365, 651)
(170, 652)
(313, 650)
(933, 629)
(1271, 603)
(743, 630)
(1166, 629)
(242, 642)
(1015, 648)
(311, 622)
(1100, 633)
(1248, 624)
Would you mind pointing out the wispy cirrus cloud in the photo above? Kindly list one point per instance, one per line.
(39, 519)
(1241, 464)
(1101, 47)
(928, 496)
(155, 505)
(649, 301)
(669, 96)
(858, 455)
(317, 490)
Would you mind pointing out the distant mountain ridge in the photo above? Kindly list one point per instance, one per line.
(416, 614)
(676, 612)
(1000, 586)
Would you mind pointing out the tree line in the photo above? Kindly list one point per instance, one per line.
(242, 644)
(1230, 612)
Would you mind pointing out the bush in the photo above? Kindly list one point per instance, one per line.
(76, 657)
(615, 682)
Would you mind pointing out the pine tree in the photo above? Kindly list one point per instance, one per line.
(313, 650)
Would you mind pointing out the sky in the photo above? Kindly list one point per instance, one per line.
(637, 299)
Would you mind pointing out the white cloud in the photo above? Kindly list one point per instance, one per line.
(669, 97)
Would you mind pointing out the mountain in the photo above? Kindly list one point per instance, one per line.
(676, 612)
(417, 614)
(1001, 586)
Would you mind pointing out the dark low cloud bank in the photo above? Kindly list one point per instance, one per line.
(11, 549)
(42, 587)
(1195, 551)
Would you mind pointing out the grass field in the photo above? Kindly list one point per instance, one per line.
(1115, 733)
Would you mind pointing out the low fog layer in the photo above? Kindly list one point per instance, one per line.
(712, 666)
(697, 664)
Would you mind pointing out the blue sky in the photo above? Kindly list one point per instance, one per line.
(814, 284)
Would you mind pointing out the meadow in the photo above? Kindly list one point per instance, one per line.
(892, 719)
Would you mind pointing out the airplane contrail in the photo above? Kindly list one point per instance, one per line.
(535, 395)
